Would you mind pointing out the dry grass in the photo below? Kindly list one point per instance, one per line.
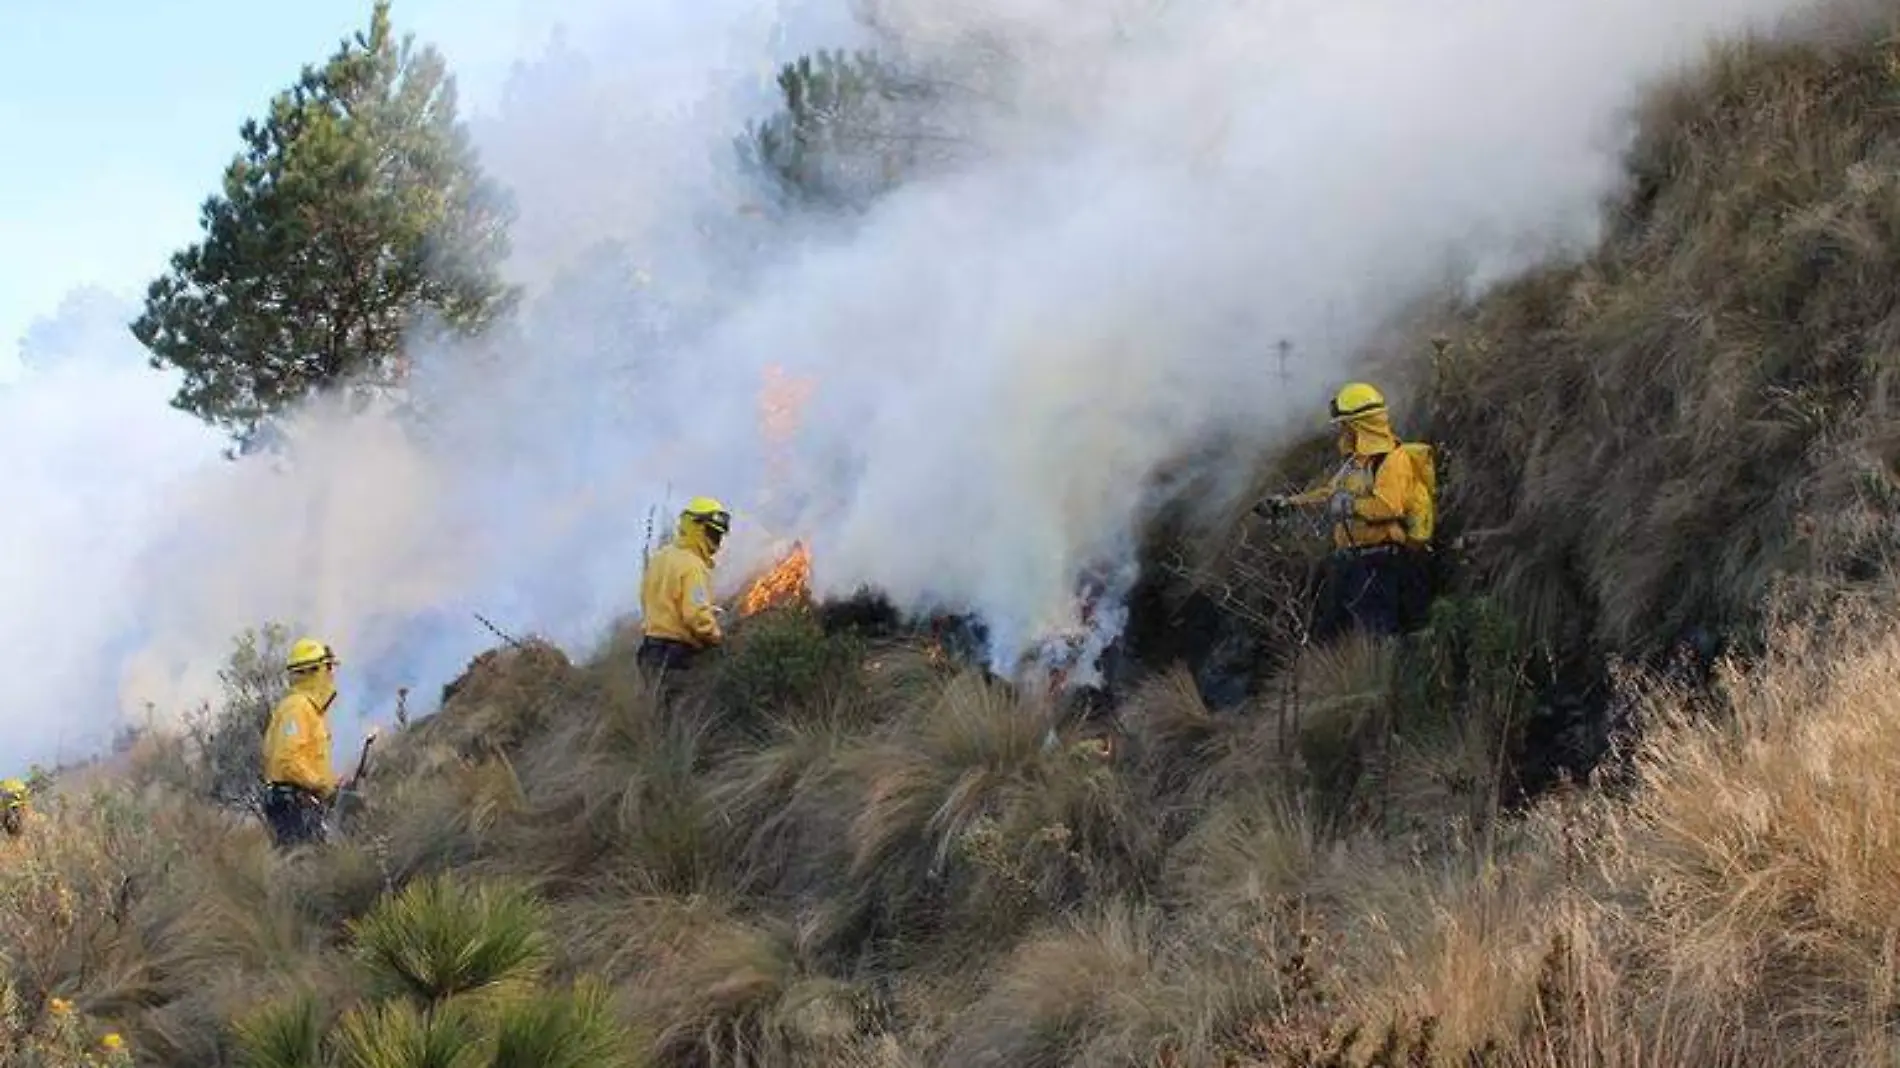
(1765, 855)
(1738, 907)
(964, 816)
(1701, 411)
(1088, 987)
(746, 994)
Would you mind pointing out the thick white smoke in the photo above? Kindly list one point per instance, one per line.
(1146, 197)
(94, 455)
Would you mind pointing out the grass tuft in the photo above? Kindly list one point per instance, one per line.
(441, 938)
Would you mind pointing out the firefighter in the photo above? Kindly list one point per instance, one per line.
(299, 784)
(1380, 499)
(13, 806)
(678, 615)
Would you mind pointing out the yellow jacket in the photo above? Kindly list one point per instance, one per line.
(297, 743)
(676, 595)
(1381, 498)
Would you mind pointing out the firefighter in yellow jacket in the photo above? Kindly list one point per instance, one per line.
(1380, 501)
(298, 781)
(676, 602)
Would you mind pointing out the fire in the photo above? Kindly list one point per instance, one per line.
(1074, 656)
(788, 580)
(782, 400)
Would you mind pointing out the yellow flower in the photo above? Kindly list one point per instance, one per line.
(112, 1041)
(60, 1007)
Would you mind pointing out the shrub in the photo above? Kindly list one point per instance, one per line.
(401, 1034)
(565, 1029)
(454, 980)
(440, 938)
(286, 1033)
(782, 661)
(60, 1037)
(227, 742)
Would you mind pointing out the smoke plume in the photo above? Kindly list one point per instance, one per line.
(956, 396)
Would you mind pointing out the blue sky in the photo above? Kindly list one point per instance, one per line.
(118, 116)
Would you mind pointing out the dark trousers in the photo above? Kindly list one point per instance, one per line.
(658, 654)
(294, 815)
(1384, 590)
(1420, 579)
(668, 661)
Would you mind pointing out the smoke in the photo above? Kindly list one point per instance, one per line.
(94, 457)
(1134, 202)
(1005, 353)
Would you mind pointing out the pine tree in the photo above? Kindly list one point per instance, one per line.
(356, 211)
(841, 138)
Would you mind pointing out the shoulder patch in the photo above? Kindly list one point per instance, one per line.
(290, 727)
(699, 595)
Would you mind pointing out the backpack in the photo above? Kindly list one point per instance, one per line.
(1421, 512)
(1421, 519)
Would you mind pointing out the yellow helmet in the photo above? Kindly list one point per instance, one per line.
(708, 513)
(15, 787)
(1355, 399)
(308, 654)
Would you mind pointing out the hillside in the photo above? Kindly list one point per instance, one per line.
(844, 847)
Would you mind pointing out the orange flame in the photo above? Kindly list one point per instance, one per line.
(788, 580)
(782, 399)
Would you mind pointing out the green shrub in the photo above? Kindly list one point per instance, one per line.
(1464, 697)
(454, 982)
(284, 1033)
(440, 938)
(1470, 659)
(570, 1029)
(227, 755)
(398, 1034)
(782, 661)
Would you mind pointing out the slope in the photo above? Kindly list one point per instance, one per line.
(840, 848)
